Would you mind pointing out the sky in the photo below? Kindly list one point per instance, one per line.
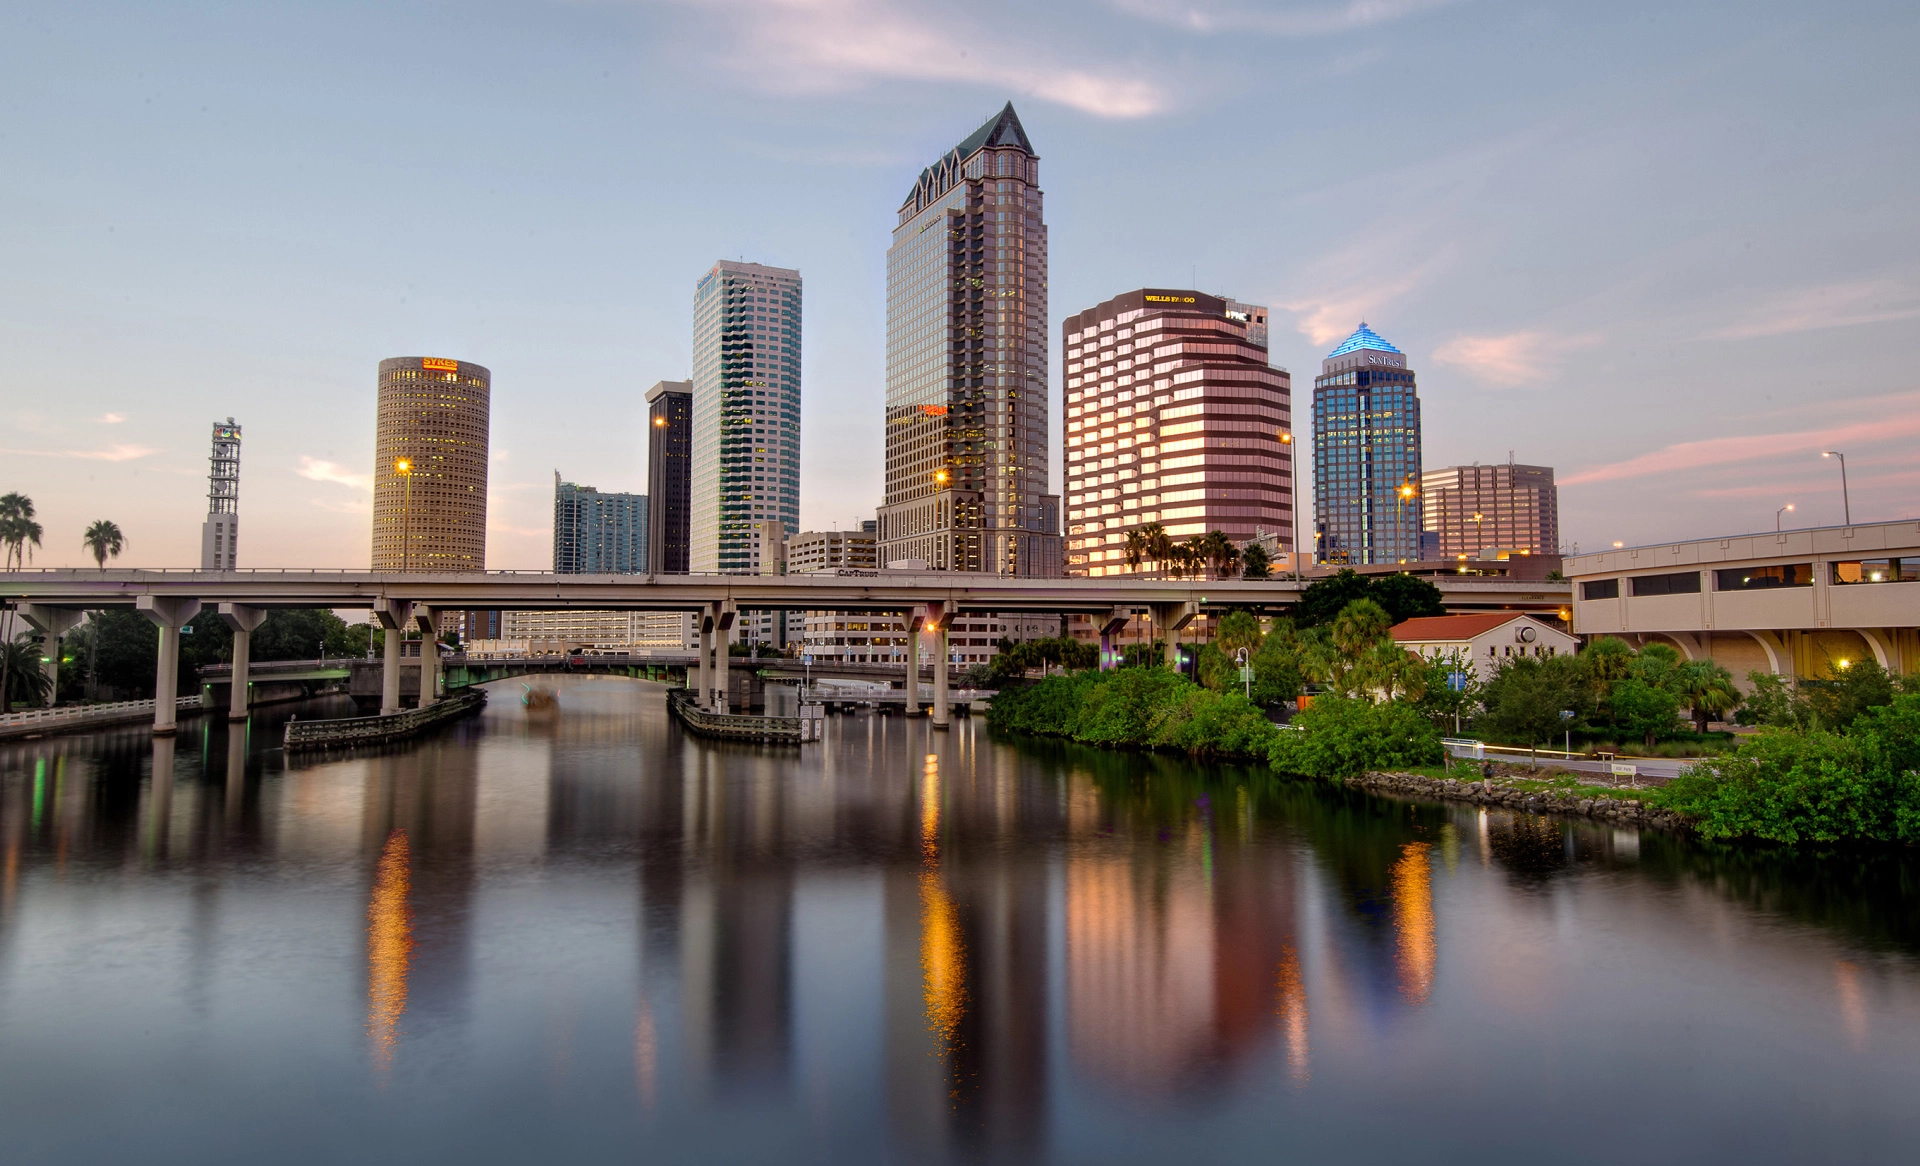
(1670, 251)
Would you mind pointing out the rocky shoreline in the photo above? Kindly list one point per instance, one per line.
(1624, 811)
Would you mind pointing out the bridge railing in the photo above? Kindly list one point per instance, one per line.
(87, 712)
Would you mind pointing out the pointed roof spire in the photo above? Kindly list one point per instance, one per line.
(1363, 337)
(1002, 129)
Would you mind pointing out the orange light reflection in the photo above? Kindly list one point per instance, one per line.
(389, 949)
(1291, 1005)
(1413, 917)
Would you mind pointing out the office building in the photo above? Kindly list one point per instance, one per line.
(639, 633)
(430, 466)
(669, 475)
(220, 534)
(1366, 454)
(1475, 511)
(966, 412)
(598, 534)
(1174, 416)
(745, 445)
(827, 551)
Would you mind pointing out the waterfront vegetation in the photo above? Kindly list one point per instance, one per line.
(1835, 761)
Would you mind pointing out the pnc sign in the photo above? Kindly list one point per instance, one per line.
(435, 364)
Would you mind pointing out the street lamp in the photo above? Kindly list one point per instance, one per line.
(1479, 543)
(1845, 502)
(404, 468)
(1293, 471)
(1778, 513)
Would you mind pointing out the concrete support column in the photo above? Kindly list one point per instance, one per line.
(428, 620)
(938, 619)
(724, 615)
(1170, 618)
(393, 615)
(1110, 627)
(170, 614)
(243, 620)
(703, 689)
(52, 623)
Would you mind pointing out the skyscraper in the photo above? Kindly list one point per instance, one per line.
(430, 466)
(1477, 508)
(745, 451)
(966, 436)
(598, 534)
(1366, 454)
(220, 534)
(669, 475)
(1174, 416)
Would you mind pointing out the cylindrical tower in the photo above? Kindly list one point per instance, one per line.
(430, 466)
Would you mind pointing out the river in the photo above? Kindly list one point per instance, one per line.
(589, 937)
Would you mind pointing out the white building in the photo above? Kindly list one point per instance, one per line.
(669, 633)
(1488, 639)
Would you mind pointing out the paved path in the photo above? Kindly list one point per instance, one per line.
(1657, 768)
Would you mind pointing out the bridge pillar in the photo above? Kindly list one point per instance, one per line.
(1170, 618)
(170, 614)
(939, 618)
(722, 674)
(1110, 627)
(702, 678)
(393, 615)
(52, 623)
(243, 620)
(428, 620)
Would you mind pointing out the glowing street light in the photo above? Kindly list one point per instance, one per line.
(1778, 513)
(404, 468)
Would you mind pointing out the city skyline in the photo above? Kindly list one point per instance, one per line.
(1544, 260)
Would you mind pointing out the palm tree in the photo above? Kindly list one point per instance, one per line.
(18, 531)
(1707, 688)
(1157, 545)
(1222, 553)
(1136, 549)
(104, 541)
(1193, 555)
(21, 677)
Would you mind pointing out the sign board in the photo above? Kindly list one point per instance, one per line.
(807, 658)
(436, 364)
(1457, 681)
(1246, 672)
(1621, 770)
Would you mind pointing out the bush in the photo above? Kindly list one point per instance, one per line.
(1815, 786)
(1214, 723)
(1342, 737)
(1136, 708)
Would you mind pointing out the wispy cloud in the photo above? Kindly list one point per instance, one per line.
(1517, 358)
(315, 470)
(1836, 305)
(1897, 417)
(812, 46)
(116, 453)
(344, 506)
(1342, 302)
(112, 418)
(1224, 16)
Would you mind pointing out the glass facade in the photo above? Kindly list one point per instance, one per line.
(433, 420)
(669, 475)
(966, 412)
(1366, 454)
(598, 534)
(745, 413)
(1471, 509)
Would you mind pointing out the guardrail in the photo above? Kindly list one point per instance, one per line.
(83, 716)
(739, 727)
(390, 727)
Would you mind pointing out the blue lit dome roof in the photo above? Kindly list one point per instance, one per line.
(1363, 337)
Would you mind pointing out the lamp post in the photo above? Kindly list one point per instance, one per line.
(404, 468)
(1845, 502)
(1479, 540)
(1778, 513)
(1407, 494)
(1293, 472)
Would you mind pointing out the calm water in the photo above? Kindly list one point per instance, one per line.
(592, 938)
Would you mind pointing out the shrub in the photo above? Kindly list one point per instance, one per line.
(1342, 737)
(1218, 723)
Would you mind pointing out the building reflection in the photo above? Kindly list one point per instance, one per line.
(389, 948)
(1413, 921)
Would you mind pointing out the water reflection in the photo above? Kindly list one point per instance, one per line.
(901, 945)
(389, 949)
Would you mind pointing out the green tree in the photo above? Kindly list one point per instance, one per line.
(19, 533)
(1707, 689)
(1406, 597)
(1326, 598)
(1255, 563)
(1278, 674)
(1603, 663)
(1645, 710)
(25, 682)
(1338, 737)
(1774, 702)
(1525, 698)
(1237, 630)
(103, 541)
(1448, 707)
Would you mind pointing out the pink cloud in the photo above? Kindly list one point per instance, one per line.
(117, 453)
(1518, 358)
(1837, 305)
(315, 470)
(1721, 451)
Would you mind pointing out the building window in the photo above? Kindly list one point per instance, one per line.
(1600, 589)
(1680, 583)
(1763, 578)
(1877, 571)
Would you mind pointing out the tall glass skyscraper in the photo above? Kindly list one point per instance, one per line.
(598, 534)
(966, 485)
(669, 475)
(1366, 454)
(745, 449)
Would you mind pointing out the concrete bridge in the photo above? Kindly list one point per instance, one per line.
(54, 600)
